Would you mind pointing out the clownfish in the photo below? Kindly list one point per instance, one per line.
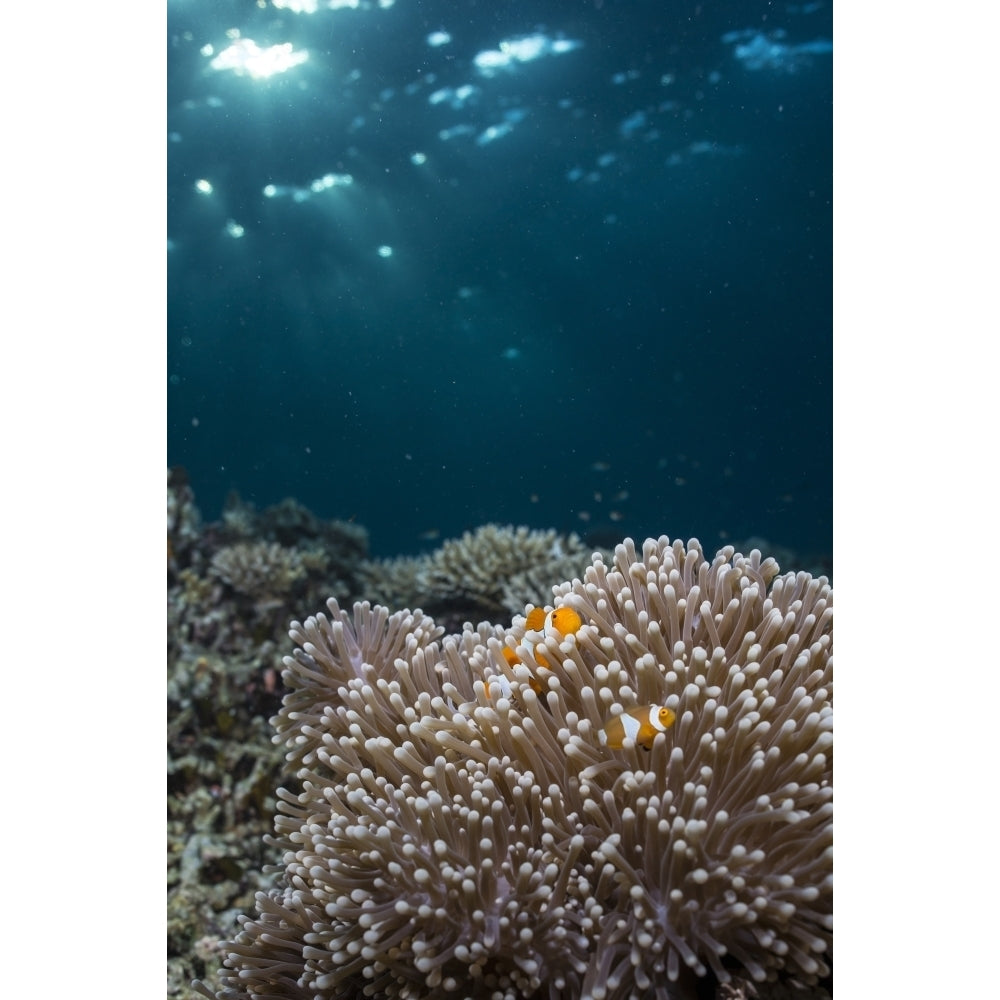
(639, 724)
(559, 622)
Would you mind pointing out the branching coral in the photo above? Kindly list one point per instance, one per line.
(493, 570)
(481, 564)
(259, 570)
(461, 829)
(183, 521)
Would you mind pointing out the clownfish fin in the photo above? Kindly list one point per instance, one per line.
(535, 622)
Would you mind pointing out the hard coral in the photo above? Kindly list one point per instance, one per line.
(485, 567)
(259, 570)
(460, 834)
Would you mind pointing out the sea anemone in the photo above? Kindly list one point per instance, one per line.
(463, 831)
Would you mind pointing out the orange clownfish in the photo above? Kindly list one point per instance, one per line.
(559, 622)
(640, 724)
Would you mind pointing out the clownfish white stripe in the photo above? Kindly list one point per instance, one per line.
(640, 724)
(559, 622)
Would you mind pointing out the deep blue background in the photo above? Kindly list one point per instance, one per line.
(648, 345)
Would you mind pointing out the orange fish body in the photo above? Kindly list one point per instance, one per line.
(559, 622)
(639, 724)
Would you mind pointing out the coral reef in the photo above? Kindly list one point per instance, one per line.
(492, 571)
(233, 586)
(483, 566)
(230, 585)
(183, 520)
(221, 777)
(456, 827)
(263, 571)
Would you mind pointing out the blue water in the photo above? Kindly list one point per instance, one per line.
(564, 264)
